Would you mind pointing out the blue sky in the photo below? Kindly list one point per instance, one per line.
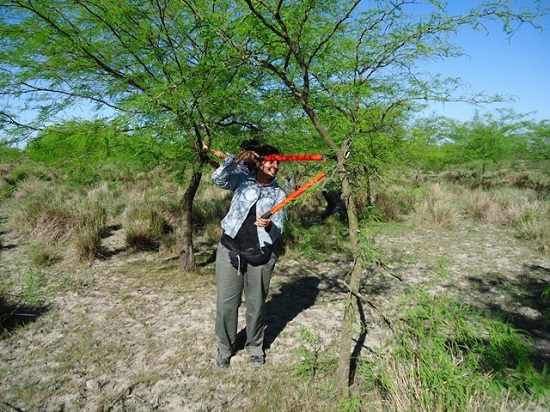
(516, 67)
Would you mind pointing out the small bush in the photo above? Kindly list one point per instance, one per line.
(320, 241)
(395, 202)
(529, 179)
(537, 233)
(87, 243)
(145, 225)
(481, 206)
(437, 209)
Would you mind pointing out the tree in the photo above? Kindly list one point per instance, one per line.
(87, 151)
(191, 68)
(488, 138)
(538, 141)
(423, 144)
(352, 67)
(154, 64)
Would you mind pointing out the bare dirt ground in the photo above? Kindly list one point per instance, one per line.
(131, 332)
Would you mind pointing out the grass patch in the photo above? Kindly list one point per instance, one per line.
(436, 209)
(320, 241)
(315, 357)
(44, 255)
(451, 356)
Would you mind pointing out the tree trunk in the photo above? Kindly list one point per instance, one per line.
(350, 302)
(187, 256)
(481, 172)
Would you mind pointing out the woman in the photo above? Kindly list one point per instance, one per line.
(246, 253)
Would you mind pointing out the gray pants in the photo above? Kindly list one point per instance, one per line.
(230, 285)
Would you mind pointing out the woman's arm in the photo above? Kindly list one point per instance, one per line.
(224, 177)
(215, 152)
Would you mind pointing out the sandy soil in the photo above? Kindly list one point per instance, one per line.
(132, 333)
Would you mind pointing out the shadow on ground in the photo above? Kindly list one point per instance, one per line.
(292, 299)
(14, 316)
(530, 309)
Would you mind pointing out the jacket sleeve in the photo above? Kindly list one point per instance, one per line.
(224, 177)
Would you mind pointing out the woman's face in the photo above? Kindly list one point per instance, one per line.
(269, 169)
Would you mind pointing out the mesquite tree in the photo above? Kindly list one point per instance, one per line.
(187, 68)
(153, 64)
(353, 68)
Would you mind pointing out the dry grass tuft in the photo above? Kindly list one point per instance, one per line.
(481, 206)
(537, 233)
(144, 224)
(395, 202)
(50, 214)
(437, 209)
(442, 206)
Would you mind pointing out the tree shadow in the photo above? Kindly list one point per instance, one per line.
(367, 290)
(292, 299)
(14, 316)
(5, 246)
(10, 246)
(530, 310)
(359, 344)
(107, 253)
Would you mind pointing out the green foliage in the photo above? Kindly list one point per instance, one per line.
(315, 357)
(319, 241)
(9, 153)
(351, 404)
(482, 144)
(538, 142)
(159, 68)
(422, 147)
(453, 357)
(88, 152)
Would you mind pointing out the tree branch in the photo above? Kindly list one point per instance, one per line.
(368, 302)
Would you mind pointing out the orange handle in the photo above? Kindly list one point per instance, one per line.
(294, 157)
(320, 176)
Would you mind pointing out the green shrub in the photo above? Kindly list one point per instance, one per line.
(319, 241)
(451, 356)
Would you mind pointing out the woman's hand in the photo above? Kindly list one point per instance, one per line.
(247, 156)
(265, 223)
